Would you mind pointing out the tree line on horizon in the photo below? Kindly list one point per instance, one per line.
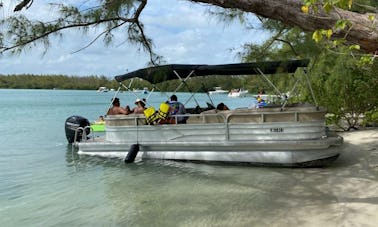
(30, 81)
(203, 84)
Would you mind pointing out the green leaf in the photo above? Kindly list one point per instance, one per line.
(354, 47)
(341, 24)
(317, 36)
(327, 7)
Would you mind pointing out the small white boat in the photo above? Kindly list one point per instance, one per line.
(143, 91)
(235, 93)
(102, 89)
(281, 135)
(218, 91)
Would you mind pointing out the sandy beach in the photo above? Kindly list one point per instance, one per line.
(348, 192)
(358, 185)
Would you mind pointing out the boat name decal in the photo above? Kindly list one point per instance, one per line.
(276, 130)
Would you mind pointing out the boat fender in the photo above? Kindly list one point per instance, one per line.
(131, 155)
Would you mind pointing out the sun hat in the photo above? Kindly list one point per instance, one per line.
(137, 100)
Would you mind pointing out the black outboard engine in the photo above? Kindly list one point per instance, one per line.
(74, 122)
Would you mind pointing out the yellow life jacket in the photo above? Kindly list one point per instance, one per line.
(151, 115)
(163, 111)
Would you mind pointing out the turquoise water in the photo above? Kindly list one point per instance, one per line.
(44, 183)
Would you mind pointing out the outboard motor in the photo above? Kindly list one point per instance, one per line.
(74, 122)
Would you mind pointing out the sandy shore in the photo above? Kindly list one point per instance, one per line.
(349, 194)
(360, 190)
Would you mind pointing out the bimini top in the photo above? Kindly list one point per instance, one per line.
(163, 73)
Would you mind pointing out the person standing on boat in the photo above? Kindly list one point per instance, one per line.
(116, 108)
(177, 108)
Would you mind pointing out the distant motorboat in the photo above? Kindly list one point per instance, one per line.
(235, 93)
(143, 91)
(102, 89)
(218, 91)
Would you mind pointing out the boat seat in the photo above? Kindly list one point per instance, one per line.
(125, 120)
(214, 116)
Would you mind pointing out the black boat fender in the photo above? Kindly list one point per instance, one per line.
(131, 155)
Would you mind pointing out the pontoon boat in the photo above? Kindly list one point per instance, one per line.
(275, 135)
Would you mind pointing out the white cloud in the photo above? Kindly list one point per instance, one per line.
(182, 33)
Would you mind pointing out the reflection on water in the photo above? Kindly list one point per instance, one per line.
(170, 193)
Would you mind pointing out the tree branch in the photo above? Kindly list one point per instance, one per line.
(289, 12)
(55, 31)
(288, 43)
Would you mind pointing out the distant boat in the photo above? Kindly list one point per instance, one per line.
(143, 91)
(102, 89)
(234, 93)
(218, 91)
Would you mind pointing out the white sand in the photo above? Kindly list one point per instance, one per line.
(342, 194)
(350, 195)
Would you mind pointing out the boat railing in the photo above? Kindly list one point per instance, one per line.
(230, 116)
(84, 136)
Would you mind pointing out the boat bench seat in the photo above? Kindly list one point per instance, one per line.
(125, 120)
(254, 116)
(209, 116)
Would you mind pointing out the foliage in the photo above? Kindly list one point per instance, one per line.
(51, 82)
(109, 16)
(123, 17)
(346, 89)
(325, 36)
(371, 118)
(340, 83)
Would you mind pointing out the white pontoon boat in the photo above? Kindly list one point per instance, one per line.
(235, 93)
(279, 135)
(218, 91)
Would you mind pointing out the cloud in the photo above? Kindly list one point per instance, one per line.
(181, 33)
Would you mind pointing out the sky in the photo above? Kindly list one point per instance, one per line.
(182, 32)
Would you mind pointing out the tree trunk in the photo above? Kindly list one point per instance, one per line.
(362, 32)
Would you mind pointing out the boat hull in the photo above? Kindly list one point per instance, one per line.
(273, 153)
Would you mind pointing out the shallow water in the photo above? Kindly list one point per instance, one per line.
(45, 183)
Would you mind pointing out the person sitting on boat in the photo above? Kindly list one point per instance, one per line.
(177, 108)
(128, 110)
(222, 106)
(260, 102)
(100, 120)
(141, 106)
(116, 108)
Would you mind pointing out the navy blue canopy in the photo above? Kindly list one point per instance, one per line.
(163, 73)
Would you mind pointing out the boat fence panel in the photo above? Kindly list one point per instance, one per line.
(245, 118)
(311, 116)
(126, 120)
(280, 117)
(207, 117)
(195, 119)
